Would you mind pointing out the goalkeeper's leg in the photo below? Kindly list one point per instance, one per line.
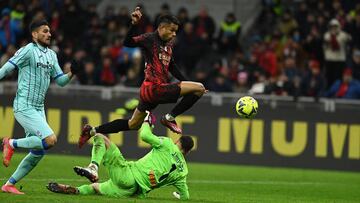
(68, 189)
(61, 188)
(89, 189)
(101, 144)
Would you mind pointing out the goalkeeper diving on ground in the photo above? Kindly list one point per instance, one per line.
(164, 165)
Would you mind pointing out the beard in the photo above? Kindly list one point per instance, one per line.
(44, 43)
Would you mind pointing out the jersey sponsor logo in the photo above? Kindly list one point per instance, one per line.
(165, 54)
(46, 66)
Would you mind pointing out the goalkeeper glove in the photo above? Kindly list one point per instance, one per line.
(176, 195)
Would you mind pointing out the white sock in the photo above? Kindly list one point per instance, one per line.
(169, 117)
(11, 141)
(94, 166)
(92, 131)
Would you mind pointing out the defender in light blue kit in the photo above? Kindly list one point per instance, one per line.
(36, 64)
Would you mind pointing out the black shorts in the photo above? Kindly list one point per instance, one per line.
(153, 94)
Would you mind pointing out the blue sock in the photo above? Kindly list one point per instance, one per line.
(26, 165)
(32, 142)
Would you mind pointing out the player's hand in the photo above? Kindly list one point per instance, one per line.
(67, 67)
(75, 68)
(176, 195)
(136, 16)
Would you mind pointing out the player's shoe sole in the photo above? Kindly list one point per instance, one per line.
(85, 135)
(86, 172)
(61, 188)
(8, 152)
(11, 189)
(172, 125)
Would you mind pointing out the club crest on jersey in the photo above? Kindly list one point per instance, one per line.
(17, 52)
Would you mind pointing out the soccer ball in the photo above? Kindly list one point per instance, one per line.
(246, 107)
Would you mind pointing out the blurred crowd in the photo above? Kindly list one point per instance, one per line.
(297, 48)
(308, 48)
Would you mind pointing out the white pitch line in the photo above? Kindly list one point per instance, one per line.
(255, 182)
(49, 179)
(234, 182)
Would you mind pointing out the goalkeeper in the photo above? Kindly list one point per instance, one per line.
(163, 165)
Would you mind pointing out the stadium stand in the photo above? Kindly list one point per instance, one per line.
(294, 48)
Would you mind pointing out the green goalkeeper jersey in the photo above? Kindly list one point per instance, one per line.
(163, 165)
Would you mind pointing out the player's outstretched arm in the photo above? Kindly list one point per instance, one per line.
(183, 190)
(7, 68)
(129, 39)
(147, 136)
(146, 132)
(136, 16)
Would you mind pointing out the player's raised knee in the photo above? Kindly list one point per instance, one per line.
(200, 89)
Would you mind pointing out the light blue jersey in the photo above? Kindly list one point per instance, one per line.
(36, 65)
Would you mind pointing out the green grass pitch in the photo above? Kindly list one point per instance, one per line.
(207, 183)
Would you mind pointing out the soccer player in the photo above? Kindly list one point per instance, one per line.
(163, 165)
(156, 89)
(36, 64)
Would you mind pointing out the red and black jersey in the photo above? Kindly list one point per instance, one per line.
(158, 56)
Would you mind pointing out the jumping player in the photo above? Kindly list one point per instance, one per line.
(157, 48)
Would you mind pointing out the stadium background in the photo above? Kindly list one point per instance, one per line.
(274, 50)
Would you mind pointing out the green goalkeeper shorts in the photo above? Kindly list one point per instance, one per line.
(122, 182)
